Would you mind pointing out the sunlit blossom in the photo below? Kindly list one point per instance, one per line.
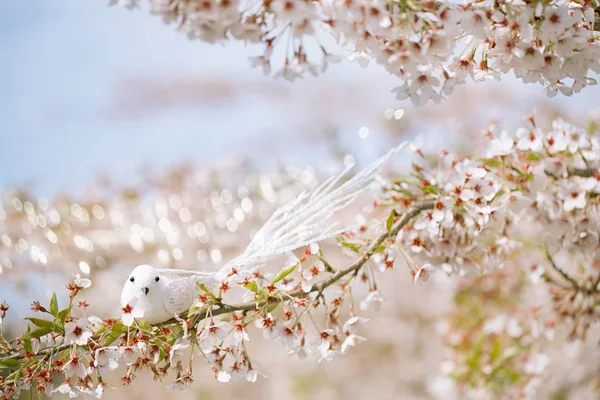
(77, 332)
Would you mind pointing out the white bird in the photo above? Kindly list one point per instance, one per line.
(160, 294)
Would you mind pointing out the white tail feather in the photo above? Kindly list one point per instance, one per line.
(305, 219)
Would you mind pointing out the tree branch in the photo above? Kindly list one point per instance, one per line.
(562, 273)
(228, 308)
(583, 172)
(355, 266)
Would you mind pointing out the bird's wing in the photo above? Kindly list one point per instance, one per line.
(181, 292)
(305, 219)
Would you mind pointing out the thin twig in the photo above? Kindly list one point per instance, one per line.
(328, 266)
(561, 271)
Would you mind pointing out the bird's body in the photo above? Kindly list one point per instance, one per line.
(163, 293)
(160, 294)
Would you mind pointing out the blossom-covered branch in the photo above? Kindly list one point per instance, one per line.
(336, 276)
(430, 46)
(75, 340)
(523, 213)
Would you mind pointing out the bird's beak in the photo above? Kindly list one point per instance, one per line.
(145, 290)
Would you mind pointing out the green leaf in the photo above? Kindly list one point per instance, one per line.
(405, 192)
(176, 333)
(283, 273)
(162, 356)
(115, 333)
(54, 305)
(9, 363)
(492, 162)
(252, 286)
(527, 176)
(534, 156)
(496, 350)
(351, 246)
(390, 222)
(14, 377)
(41, 323)
(206, 290)
(379, 249)
(429, 189)
(38, 333)
(511, 374)
(271, 307)
(100, 330)
(27, 345)
(146, 327)
(62, 316)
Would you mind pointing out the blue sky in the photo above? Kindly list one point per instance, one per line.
(63, 61)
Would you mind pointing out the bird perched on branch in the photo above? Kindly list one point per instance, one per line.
(160, 294)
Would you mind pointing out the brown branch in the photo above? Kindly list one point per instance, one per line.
(562, 273)
(579, 287)
(355, 266)
(583, 172)
(229, 308)
(328, 266)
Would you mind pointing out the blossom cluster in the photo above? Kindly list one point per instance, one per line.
(81, 349)
(430, 46)
(534, 191)
(511, 341)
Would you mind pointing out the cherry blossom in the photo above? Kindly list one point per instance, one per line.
(176, 350)
(537, 363)
(223, 376)
(311, 274)
(77, 332)
(573, 197)
(74, 367)
(213, 334)
(529, 139)
(552, 44)
(130, 313)
(423, 273)
(556, 142)
(373, 300)
(66, 388)
(350, 329)
(107, 358)
(326, 345)
(82, 283)
(501, 145)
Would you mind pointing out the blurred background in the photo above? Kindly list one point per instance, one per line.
(94, 98)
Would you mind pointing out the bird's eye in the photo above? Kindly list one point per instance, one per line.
(132, 279)
(157, 279)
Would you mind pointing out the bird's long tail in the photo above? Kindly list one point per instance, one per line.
(306, 218)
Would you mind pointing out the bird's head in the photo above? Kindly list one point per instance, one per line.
(144, 282)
